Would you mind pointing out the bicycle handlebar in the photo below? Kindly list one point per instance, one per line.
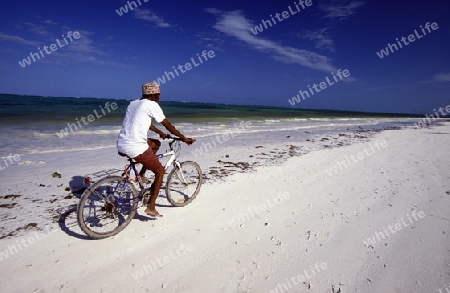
(173, 138)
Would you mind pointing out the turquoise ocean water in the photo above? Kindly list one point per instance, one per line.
(32, 124)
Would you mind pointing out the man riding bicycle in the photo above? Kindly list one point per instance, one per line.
(133, 142)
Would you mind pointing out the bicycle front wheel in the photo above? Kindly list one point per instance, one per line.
(183, 183)
(107, 207)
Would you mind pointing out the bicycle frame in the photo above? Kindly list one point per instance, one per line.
(131, 168)
(171, 160)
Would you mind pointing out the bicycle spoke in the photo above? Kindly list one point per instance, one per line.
(183, 184)
(107, 207)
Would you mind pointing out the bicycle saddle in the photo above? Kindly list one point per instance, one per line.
(124, 155)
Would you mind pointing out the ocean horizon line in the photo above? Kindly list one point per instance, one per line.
(273, 107)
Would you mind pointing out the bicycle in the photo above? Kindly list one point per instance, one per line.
(109, 205)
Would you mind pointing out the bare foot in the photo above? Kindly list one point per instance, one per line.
(153, 212)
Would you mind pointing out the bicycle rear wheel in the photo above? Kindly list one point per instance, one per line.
(107, 207)
(183, 184)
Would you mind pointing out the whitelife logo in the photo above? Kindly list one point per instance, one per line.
(53, 47)
(72, 127)
(411, 38)
(285, 15)
(229, 134)
(12, 160)
(256, 210)
(124, 9)
(25, 242)
(323, 85)
(300, 279)
(427, 120)
(159, 263)
(340, 165)
(186, 67)
(394, 228)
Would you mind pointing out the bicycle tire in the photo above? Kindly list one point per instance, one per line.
(101, 191)
(175, 184)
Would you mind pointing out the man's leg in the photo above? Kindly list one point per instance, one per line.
(149, 161)
(154, 144)
(154, 192)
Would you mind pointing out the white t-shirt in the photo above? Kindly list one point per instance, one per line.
(132, 139)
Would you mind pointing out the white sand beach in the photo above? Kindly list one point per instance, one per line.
(281, 221)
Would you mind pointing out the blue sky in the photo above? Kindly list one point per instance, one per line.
(116, 54)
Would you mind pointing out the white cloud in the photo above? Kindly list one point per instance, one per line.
(211, 40)
(340, 9)
(235, 24)
(84, 44)
(16, 39)
(37, 29)
(148, 15)
(48, 21)
(321, 39)
(83, 50)
(438, 78)
(442, 77)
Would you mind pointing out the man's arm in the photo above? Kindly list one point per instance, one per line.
(174, 131)
(154, 129)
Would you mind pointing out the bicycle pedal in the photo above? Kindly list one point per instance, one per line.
(111, 216)
(145, 198)
(144, 180)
